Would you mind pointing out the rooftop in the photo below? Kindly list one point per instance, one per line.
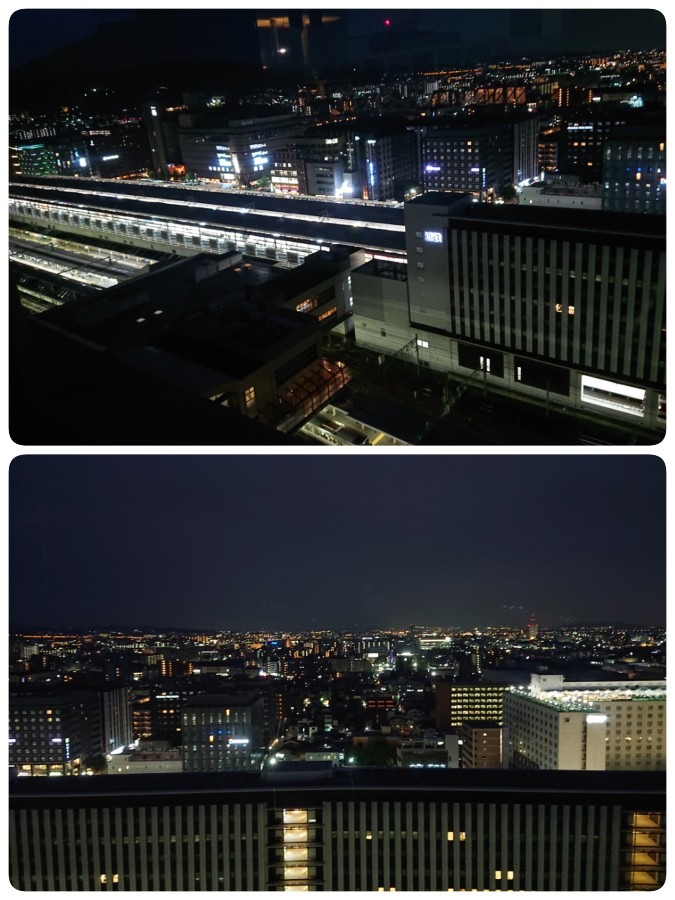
(347, 783)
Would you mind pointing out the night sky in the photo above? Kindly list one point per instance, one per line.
(307, 542)
(35, 32)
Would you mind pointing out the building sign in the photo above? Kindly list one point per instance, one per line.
(433, 237)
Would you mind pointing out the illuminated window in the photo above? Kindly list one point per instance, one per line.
(295, 854)
(307, 305)
(329, 312)
(295, 873)
(295, 816)
(249, 399)
(621, 397)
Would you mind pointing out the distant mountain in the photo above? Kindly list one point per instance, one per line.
(212, 51)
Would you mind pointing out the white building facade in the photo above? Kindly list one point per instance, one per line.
(596, 726)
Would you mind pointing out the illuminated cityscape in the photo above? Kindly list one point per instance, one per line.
(419, 229)
(316, 633)
(281, 753)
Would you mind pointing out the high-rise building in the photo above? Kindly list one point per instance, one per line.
(162, 129)
(222, 732)
(337, 829)
(387, 164)
(115, 717)
(525, 148)
(532, 629)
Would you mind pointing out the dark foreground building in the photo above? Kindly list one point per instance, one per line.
(346, 830)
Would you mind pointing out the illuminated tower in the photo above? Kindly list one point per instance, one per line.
(532, 629)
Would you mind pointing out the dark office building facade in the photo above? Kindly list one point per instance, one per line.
(386, 163)
(222, 732)
(57, 734)
(478, 160)
(341, 830)
(537, 301)
(635, 172)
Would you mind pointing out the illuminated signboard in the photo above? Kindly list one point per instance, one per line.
(431, 168)
(433, 237)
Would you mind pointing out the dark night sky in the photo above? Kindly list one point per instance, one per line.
(35, 32)
(270, 541)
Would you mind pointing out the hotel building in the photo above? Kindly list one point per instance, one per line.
(340, 830)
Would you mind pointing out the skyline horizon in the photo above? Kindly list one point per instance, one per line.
(145, 628)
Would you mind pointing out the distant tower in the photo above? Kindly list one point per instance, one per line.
(532, 629)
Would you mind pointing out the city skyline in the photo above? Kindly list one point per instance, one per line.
(301, 543)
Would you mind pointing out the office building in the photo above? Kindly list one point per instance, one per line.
(336, 829)
(54, 734)
(634, 178)
(222, 732)
(594, 725)
(535, 302)
(117, 151)
(115, 717)
(235, 147)
(385, 157)
(476, 160)
(106, 151)
(582, 135)
(34, 159)
(165, 712)
(162, 130)
(460, 702)
(525, 148)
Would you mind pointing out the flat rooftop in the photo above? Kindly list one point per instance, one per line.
(350, 783)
